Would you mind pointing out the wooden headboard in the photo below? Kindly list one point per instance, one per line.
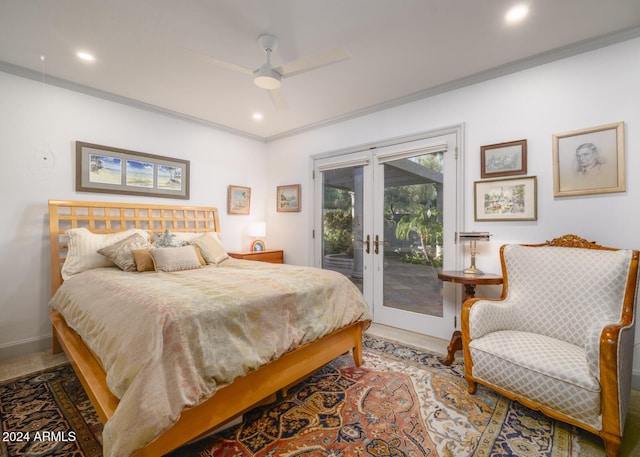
(110, 217)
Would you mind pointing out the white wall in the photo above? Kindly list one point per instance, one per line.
(590, 89)
(36, 118)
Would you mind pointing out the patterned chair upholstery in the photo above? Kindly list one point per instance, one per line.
(560, 338)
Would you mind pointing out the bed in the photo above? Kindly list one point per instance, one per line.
(218, 400)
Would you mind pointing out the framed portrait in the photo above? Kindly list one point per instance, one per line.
(120, 171)
(238, 200)
(512, 199)
(288, 198)
(503, 159)
(589, 161)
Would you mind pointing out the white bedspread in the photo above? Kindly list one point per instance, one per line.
(168, 340)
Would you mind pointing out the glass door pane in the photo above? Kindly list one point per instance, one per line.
(342, 229)
(413, 229)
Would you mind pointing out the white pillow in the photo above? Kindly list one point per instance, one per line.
(82, 254)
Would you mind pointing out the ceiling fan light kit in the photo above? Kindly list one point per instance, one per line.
(266, 77)
(269, 78)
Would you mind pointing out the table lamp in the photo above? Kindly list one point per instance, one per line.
(258, 230)
(473, 237)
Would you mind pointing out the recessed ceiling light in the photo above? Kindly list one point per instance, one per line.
(257, 116)
(85, 56)
(517, 13)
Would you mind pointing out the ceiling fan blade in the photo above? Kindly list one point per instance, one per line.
(278, 99)
(227, 65)
(313, 62)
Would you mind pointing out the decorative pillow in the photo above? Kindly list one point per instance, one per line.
(175, 259)
(143, 259)
(120, 252)
(171, 239)
(82, 254)
(212, 250)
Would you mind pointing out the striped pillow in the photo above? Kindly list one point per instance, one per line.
(212, 250)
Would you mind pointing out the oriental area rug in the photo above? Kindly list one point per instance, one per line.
(401, 402)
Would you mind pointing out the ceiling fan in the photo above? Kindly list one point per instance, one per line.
(270, 78)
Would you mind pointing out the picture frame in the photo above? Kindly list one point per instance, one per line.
(511, 199)
(288, 198)
(589, 161)
(503, 159)
(112, 170)
(238, 200)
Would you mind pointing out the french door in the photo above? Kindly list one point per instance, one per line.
(386, 217)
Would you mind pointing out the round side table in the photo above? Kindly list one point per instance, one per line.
(470, 282)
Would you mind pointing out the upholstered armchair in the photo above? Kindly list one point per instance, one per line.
(560, 338)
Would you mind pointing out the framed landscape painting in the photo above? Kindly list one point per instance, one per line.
(238, 200)
(513, 199)
(503, 159)
(288, 198)
(120, 171)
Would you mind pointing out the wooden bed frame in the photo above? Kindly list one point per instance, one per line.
(229, 401)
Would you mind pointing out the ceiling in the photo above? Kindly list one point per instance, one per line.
(161, 53)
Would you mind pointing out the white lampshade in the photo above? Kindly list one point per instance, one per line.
(258, 229)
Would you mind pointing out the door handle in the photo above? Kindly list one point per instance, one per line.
(377, 242)
(367, 244)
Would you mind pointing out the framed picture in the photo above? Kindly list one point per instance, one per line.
(512, 199)
(238, 200)
(288, 198)
(589, 161)
(503, 159)
(120, 171)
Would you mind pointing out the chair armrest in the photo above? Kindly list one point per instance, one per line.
(615, 367)
(604, 331)
(485, 315)
(592, 345)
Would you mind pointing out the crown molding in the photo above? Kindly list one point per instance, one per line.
(69, 85)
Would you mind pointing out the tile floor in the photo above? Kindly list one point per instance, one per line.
(29, 363)
(418, 340)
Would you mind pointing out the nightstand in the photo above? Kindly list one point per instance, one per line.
(268, 255)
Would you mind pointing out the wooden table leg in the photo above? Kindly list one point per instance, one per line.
(454, 345)
(456, 339)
